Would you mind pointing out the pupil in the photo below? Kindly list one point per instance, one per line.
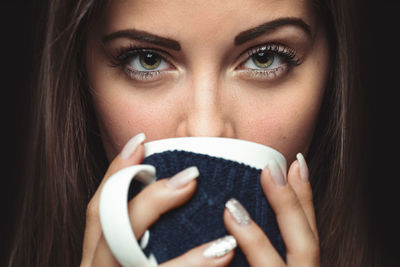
(263, 57)
(150, 59)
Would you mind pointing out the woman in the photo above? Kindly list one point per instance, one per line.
(275, 73)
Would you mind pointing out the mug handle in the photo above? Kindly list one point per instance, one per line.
(114, 216)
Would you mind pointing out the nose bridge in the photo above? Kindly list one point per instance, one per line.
(205, 113)
(205, 116)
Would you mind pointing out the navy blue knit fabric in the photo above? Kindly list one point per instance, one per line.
(200, 219)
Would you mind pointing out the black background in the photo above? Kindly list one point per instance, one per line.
(380, 49)
(19, 21)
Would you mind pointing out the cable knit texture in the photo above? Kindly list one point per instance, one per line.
(200, 219)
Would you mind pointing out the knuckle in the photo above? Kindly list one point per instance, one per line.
(147, 200)
(259, 241)
(151, 194)
(256, 239)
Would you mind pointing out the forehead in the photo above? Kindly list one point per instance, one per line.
(174, 18)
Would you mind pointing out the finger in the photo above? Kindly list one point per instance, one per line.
(160, 197)
(131, 154)
(298, 179)
(149, 205)
(250, 237)
(216, 253)
(301, 245)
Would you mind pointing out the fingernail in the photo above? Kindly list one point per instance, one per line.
(220, 247)
(131, 145)
(238, 211)
(182, 178)
(303, 167)
(276, 172)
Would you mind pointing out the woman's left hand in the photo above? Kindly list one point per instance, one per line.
(291, 200)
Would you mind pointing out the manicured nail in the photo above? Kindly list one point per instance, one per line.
(182, 178)
(131, 145)
(276, 172)
(303, 167)
(238, 211)
(220, 247)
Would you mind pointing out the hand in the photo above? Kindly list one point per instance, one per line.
(292, 202)
(145, 209)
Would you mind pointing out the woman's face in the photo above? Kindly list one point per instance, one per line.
(252, 70)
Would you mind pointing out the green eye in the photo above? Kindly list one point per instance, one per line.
(150, 61)
(263, 59)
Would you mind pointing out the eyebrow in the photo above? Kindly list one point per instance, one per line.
(267, 27)
(143, 36)
(240, 39)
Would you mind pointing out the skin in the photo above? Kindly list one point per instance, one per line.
(208, 88)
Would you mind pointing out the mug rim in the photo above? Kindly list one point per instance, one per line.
(113, 205)
(247, 152)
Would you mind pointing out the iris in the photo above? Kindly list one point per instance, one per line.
(150, 61)
(263, 59)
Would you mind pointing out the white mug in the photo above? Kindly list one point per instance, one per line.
(114, 215)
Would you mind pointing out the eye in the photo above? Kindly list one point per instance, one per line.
(268, 62)
(146, 61)
(263, 60)
(141, 64)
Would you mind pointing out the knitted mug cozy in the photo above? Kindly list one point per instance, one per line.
(200, 219)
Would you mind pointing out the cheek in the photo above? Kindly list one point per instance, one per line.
(124, 112)
(122, 117)
(287, 128)
(283, 117)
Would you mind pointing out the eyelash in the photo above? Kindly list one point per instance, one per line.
(286, 52)
(125, 54)
(288, 55)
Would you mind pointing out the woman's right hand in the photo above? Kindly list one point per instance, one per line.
(144, 210)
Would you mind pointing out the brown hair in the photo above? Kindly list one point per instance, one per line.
(66, 157)
(336, 152)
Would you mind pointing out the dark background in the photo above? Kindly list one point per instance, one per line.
(19, 21)
(379, 48)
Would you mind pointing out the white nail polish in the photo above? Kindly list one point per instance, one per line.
(238, 212)
(182, 178)
(131, 145)
(276, 172)
(220, 247)
(303, 167)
